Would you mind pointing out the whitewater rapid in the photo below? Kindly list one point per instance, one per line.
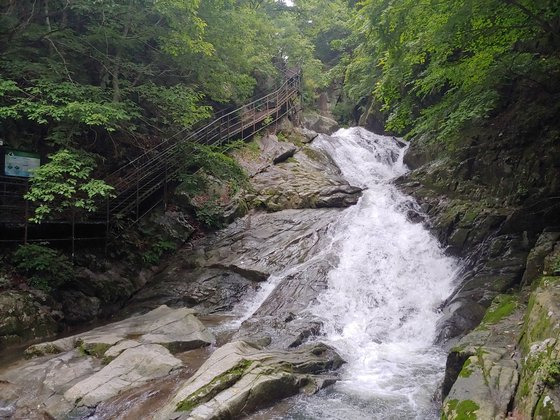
(380, 310)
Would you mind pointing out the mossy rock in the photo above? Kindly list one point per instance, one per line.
(460, 410)
(502, 306)
(540, 345)
(217, 385)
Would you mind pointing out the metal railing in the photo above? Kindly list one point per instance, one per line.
(141, 185)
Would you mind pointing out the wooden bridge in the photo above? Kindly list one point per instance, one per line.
(142, 184)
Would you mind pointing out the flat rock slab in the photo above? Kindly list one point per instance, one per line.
(37, 386)
(239, 378)
(85, 369)
(175, 329)
(133, 367)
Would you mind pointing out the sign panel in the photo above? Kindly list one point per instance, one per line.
(17, 163)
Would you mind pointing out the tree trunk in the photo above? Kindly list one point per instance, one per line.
(117, 68)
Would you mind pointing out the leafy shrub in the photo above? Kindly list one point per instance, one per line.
(66, 183)
(210, 214)
(215, 162)
(153, 255)
(45, 268)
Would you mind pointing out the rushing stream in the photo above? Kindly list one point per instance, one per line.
(380, 309)
(371, 277)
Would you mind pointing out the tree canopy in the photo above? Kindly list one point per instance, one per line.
(436, 66)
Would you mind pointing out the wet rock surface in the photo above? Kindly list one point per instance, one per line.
(284, 176)
(229, 265)
(78, 372)
(240, 378)
(81, 376)
(509, 364)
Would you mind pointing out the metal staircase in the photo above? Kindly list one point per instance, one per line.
(142, 184)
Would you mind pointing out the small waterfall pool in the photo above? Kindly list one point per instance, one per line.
(380, 309)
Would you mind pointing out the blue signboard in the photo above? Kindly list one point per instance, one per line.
(21, 164)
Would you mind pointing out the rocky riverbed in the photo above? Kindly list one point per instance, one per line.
(217, 369)
(290, 298)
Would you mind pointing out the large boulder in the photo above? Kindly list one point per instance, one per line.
(25, 317)
(240, 378)
(320, 123)
(538, 393)
(310, 180)
(481, 373)
(100, 291)
(133, 367)
(175, 329)
(263, 152)
(218, 203)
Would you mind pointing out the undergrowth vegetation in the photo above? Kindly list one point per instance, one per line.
(45, 268)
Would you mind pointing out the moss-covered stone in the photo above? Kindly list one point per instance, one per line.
(217, 385)
(502, 306)
(460, 410)
(467, 369)
(540, 346)
(92, 349)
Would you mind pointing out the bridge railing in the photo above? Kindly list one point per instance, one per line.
(141, 184)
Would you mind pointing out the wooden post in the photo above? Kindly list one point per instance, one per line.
(165, 190)
(107, 227)
(26, 214)
(228, 126)
(254, 119)
(73, 232)
(137, 199)
(277, 103)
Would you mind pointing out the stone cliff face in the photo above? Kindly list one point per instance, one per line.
(494, 200)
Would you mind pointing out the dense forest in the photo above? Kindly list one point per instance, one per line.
(103, 77)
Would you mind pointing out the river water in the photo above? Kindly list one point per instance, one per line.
(387, 278)
(380, 309)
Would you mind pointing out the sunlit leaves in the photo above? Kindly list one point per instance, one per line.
(439, 65)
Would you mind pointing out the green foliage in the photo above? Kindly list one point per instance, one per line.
(206, 168)
(437, 66)
(66, 183)
(551, 372)
(153, 255)
(210, 213)
(213, 161)
(556, 266)
(45, 268)
(87, 75)
(176, 105)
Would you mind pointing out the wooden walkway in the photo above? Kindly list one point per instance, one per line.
(142, 184)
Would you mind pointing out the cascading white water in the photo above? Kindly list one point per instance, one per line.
(381, 307)
(380, 310)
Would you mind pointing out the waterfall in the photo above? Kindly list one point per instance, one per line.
(380, 309)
